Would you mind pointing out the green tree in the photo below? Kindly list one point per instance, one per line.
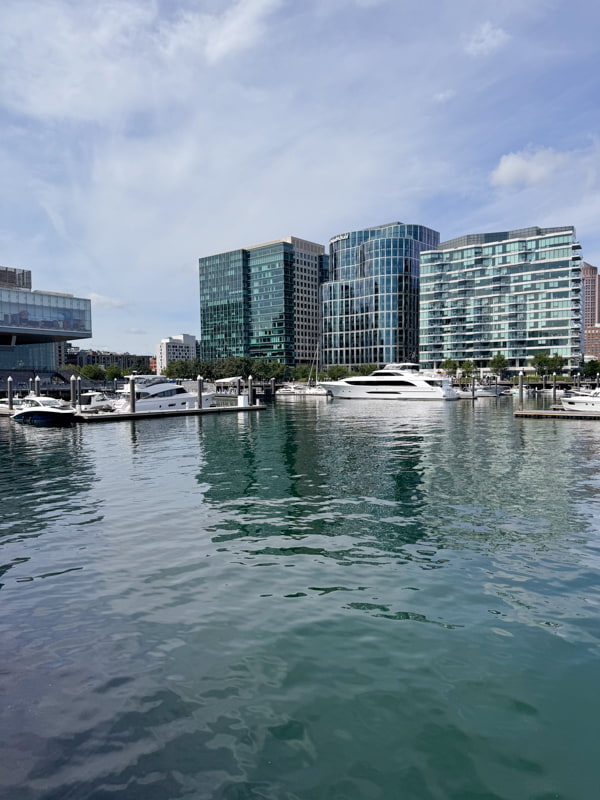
(541, 363)
(498, 364)
(591, 368)
(450, 366)
(556, 363)
(336, 372)
(467, 368)
(113, 371)
(366, 369)
(300, 372)
(93, 372)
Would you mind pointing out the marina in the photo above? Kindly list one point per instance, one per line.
(330, 599)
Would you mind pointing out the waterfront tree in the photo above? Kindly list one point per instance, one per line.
(450, 366)
(300, 372)
(498, 364)
(591, 368)
(467, 368)
(546, 364)
(113, 371)
(337, 371)
(556, 363)
(93, 372)
(366, 369)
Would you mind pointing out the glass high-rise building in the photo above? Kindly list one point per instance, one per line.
(517, 293)
(33, 322)
(370, 304)
(262, 301)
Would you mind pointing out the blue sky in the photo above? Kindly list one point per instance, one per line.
(138, 135)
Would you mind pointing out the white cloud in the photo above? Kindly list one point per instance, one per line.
(444, 96)
(528, 167)
(486, 40)
(101, 301)
(88, 61)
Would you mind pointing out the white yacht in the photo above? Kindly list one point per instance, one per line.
(582, 403)
(156, 393)
(40, 410)
(393, 382)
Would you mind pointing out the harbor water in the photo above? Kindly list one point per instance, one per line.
(318, 601)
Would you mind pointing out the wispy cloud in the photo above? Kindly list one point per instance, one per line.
(485, 40)
(444, 96)
(90, 60)
(103, 302)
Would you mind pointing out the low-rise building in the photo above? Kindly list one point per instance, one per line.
(175, 348)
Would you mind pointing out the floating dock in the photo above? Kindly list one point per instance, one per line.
(556, 412)
(114, 416)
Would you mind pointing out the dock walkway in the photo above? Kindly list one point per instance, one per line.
(113, 416)
(555, 412)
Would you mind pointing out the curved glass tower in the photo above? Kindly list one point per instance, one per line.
(370, 304)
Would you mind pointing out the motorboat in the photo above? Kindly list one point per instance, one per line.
(480, 390)
(95, 401)
(301, 390)
(582, 403)
(156, 393)
(5, 411)
(393, 382)
(41, 410)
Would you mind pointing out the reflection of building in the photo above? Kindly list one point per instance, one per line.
(262, 301)
(175, 348)
(517, 293)
(370, 304)
(32, 322)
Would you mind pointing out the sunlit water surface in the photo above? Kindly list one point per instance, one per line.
(319, 601)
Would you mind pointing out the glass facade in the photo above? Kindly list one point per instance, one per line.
(370, 304)
(517, 293)
(31, 323)
(261, 301)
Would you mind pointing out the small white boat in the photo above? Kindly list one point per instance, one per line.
(95, 401)
(5, 411)
(582, 403)
(480, 391)
(300, 390)
(393, 382)
(156, 393)
(40, 410)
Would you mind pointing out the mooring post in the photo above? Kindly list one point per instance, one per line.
(37, 385)
(79, 390)
(132, 394)
(250, 391)
(9, 392)
(30, 385)
(272, 388)
(521, 390)
(72, 381)
(200, 389)
(554, 387)
(473, 386)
